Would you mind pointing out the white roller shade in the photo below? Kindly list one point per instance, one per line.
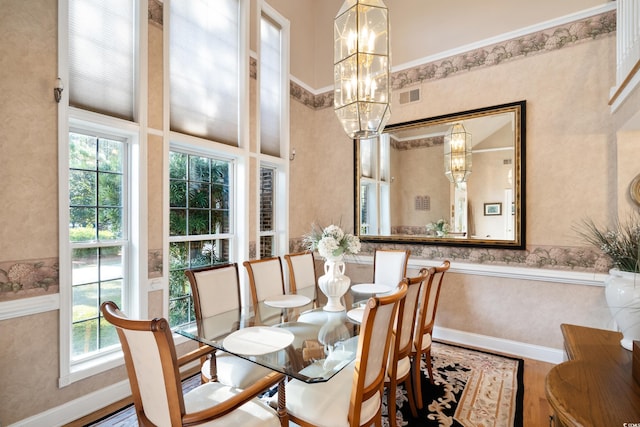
(204, 53)
(270, 86)
(101, 56)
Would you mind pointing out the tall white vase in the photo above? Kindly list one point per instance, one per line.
(334, 284)
(622, 291)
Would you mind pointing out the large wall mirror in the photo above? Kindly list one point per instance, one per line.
(454, 180)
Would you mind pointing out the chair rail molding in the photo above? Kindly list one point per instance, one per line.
(28, 306)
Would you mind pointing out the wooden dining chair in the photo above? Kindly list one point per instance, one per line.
(425, 320)
(265, 280)
(216, 290)
(399, 366)
(153, 370)
(302, 275)
(353, 397)
(390, 266)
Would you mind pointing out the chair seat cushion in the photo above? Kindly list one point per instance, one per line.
(253, 413)
(327, 404)
(235, 371)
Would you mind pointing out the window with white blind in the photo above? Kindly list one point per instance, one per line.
(271, 81)
(102, 243)
(273, 131)
(205, 57)
(101, 56)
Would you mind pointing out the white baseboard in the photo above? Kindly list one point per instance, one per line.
(78, 408)
(516, 348)
(85, 405)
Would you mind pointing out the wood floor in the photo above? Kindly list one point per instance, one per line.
(535, 406)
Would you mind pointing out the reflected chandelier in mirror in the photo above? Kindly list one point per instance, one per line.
(455, 180)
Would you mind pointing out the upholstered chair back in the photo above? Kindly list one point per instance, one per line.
(372, 354)
(390, 266)
(302, 273)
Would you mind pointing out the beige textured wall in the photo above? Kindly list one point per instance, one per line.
(519, 310)
(321, 188)
(414, 174)
(28, 136)
(524, 311)
(418, 28)
(628, 148)
(155, 142)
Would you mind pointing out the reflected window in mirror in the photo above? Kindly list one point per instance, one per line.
(406, 166)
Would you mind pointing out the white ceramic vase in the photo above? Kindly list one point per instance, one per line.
(334, 284)
(622, 291)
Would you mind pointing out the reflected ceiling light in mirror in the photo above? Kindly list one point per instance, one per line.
(362, 67)
(457, 154)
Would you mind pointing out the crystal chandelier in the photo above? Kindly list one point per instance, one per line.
(457, 154)
(362, 67)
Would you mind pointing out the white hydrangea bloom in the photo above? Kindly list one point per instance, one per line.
(327, 246)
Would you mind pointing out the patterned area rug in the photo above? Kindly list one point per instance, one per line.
(471, 389)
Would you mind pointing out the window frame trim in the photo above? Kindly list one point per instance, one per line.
(281, 164)
(137, 252)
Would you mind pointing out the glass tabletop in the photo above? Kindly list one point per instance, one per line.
(309, 345)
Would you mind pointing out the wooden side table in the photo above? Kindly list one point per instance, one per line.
(596, 386)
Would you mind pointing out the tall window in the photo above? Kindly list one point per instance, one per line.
(273, 90)
(271, 82)
(208, 73)
(268, 245)
(102, 200)
(98, 236)
(101, 56)
(205, 73)
(200, 224)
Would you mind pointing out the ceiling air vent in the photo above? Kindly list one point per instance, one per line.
(507, 161)
(409, 96)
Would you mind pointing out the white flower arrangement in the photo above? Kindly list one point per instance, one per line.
(332, 242)
(440, 225)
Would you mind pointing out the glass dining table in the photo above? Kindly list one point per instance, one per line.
(308, 344)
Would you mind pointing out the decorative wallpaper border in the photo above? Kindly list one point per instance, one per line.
(540, 257)
(155, 12)
(425, 142)
(28, 278)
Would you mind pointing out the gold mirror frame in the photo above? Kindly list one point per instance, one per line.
(421, 236)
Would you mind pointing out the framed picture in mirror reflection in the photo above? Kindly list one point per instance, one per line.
(492, 209)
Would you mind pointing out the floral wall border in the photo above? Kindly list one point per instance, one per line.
(28, 278)
(562, 258)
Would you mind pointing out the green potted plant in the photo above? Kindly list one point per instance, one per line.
(621, 243)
